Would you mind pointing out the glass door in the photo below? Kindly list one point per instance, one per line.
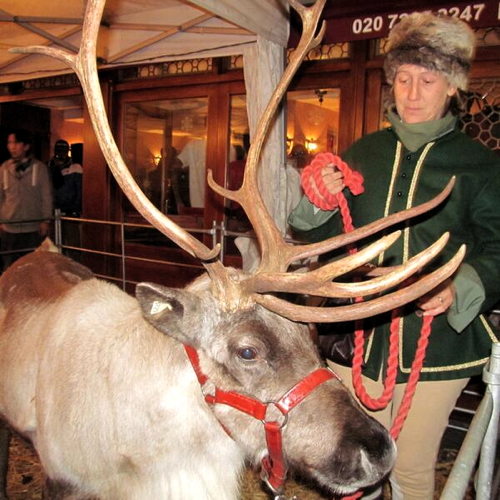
(164, 147)
(312, 126)
(167, 142)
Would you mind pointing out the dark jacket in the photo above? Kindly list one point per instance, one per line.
(395, 179)
(67, 184)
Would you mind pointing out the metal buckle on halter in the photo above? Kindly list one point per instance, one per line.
(284, 497)
(278, 494)
(275, 414)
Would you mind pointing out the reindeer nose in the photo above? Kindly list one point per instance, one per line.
(377, 459)
(364, 457)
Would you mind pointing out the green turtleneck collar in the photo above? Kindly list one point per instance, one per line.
(415, 135)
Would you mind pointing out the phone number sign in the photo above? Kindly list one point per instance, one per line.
(478, 15)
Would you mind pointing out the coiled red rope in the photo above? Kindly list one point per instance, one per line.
(323, 199)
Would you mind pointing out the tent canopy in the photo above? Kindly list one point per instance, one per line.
(135, 32)
(143, 31)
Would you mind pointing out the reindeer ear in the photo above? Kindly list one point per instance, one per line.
(172, 311)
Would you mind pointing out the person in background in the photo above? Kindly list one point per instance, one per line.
(66, 180)
(25, 195)
(298, 157)
(427, 64)
(67, 176)
(192, 157)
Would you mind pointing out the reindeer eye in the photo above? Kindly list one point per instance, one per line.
(247, 353)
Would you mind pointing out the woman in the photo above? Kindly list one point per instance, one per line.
(427, 62)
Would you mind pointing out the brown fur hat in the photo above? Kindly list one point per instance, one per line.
(439, 43)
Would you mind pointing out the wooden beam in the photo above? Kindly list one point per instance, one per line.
(166, 27)
(44, 34)
(142, 26)
(18, 57)
(161, 36)
(8, 18)
(218, 31)
(266, 18)
(54, 39)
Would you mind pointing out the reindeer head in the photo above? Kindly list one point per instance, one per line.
(242, 347)
(249, 362)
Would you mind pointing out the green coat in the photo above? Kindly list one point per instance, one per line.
(395, 179)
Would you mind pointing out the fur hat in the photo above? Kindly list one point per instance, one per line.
(439, 43)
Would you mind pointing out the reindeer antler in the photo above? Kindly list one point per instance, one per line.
(248, 196)
(276, 254)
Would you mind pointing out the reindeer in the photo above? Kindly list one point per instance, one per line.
(170, 393)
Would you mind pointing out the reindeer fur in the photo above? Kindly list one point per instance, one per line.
(114, 408)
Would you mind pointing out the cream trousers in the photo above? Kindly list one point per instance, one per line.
(420, 438)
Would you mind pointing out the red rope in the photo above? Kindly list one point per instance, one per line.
(392, 366)
(323, 199)
(411, 385)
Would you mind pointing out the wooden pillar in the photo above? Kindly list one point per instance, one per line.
(263, 67)
(97, 199)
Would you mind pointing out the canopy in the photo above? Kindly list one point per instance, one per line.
(136, 31)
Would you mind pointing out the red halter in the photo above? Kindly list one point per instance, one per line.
(274, 466)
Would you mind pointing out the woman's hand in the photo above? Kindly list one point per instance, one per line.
(332, 178)
(438, 300)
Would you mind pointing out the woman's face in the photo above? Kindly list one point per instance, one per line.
(421, 95)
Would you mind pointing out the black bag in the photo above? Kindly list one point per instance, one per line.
(337, 347)
(336, 340)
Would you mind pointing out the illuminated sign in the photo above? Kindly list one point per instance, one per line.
(341, 29)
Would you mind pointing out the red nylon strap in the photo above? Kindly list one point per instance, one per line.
(303, 388)
(195, 362)
(290, 400)
(246, 404)
(274, 468)
(254, 407)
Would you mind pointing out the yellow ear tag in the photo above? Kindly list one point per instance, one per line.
(158, 307)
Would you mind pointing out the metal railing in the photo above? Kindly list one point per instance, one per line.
(480, 441)
(122, 255)
(19, 221)
(218, 233)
